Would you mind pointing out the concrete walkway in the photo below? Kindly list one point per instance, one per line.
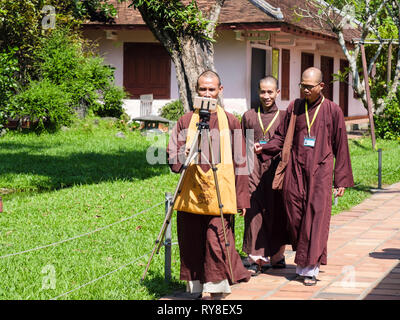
(363, 259)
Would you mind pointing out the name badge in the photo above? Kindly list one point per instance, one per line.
(309, 142)
(263, 141)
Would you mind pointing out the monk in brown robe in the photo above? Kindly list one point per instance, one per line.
(319, 138)
(203, 255)
(265, 232)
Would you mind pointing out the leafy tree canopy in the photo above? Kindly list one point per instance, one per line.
(21, 24)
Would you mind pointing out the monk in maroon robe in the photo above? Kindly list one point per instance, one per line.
(319, 138)
(204, 262)
(265, 232)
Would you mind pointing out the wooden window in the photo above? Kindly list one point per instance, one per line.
(327, 78)
(147, 69)
(258, 66)
(307, 61)
(285, 76)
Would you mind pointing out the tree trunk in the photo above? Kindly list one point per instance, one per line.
(191, 55)
(195, 57)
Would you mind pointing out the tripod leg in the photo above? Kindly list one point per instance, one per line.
(168, 216)
(214, 169)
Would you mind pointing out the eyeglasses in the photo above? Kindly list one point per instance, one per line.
(308, 86)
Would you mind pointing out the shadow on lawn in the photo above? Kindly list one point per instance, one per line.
(358, 144)
(80, 168)
(158, 286)
(363, 187)
(26, 146)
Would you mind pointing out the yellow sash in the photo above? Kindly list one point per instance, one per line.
(198, 192)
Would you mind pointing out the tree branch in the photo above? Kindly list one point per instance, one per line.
(213, 17)
(373, 59)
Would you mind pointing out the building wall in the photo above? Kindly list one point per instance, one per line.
(318, 48)
(232, 61)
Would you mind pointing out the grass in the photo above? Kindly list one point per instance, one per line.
(70, 183)
(74, 182)
(364, 161)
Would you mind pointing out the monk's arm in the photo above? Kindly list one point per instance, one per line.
(176, 147)
(240, 164)
(343, 175)
(275, 144)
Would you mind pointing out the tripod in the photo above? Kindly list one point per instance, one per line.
(202, 128)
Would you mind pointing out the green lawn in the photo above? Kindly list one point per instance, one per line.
(364, 162)
(70, 183)
(89, 187)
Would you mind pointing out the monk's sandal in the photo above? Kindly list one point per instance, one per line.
(255, 269)
(310, 281)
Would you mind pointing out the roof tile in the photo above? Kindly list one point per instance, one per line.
(238, 12)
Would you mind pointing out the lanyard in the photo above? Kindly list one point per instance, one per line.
(315, 115)
(270, 124)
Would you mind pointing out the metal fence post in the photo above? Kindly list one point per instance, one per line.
(379, 168)
(167, 241)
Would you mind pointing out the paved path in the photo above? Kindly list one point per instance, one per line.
(363, 259)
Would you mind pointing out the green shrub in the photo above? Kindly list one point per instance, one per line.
(72, 78)
(172, 110)
(112, 103)
(67, 61)
(8, 84)
(387, 124)
(46, 104)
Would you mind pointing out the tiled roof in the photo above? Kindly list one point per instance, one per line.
(237, 13)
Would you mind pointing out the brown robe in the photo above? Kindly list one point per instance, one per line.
(265, 221)
(200, 237)
(307, 187)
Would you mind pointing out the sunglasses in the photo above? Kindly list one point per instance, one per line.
(307, 86)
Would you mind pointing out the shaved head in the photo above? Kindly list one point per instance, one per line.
(269, 79)
(209, 85)
(311, 83)
(209, 74)
(312, 74)
(268, 92)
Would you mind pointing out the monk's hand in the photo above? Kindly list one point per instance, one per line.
(243, 212)
(339, 192)
(257, 148)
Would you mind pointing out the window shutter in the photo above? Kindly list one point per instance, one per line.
(285, 83)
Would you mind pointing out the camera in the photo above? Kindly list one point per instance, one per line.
(204, 103)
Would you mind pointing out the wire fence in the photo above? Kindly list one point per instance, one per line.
(101, 277)
(105, 275)
(167, 245)
(80, 235)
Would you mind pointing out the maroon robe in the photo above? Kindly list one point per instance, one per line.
(265, 221)
(200, 237)
(307, 187)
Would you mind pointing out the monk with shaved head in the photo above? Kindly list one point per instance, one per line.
(319, 156)
(209, 265)
(265, 233)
